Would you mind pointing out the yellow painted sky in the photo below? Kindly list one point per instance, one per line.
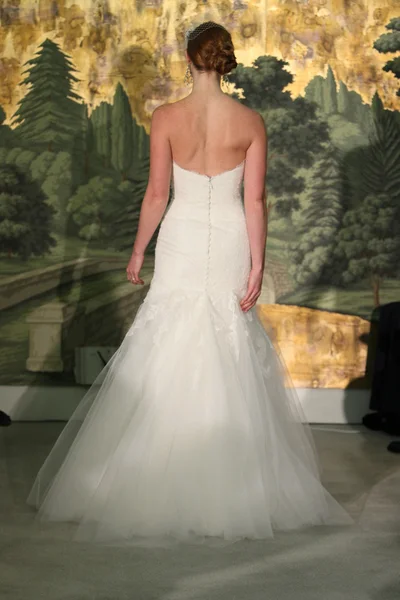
(141, 43)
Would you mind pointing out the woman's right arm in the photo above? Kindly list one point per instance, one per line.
(255, 208)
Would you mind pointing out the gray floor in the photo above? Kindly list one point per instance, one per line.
(37, 561)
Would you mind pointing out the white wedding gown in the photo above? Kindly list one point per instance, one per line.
(191, 432)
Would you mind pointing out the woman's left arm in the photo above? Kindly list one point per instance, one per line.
(157, 192)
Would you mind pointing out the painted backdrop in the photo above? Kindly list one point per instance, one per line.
(79, 81)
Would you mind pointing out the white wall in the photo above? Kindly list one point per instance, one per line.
(24, 403)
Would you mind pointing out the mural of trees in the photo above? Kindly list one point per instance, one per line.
(78, 159)
(25, 216)
(50, 114)
(101, 125)
(312, 255)
(330, 97)
(333, 100)
(121, 132)
(368, 245)
(126, 219)
(6, 133)
(73, 177)
(369, 241)
(390, 43)
(93, 207)
(296, 134)
(381, 163)
(328, 153)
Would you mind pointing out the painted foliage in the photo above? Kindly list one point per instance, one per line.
(74, 160)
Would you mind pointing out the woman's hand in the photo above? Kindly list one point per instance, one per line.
(133, 268)
(254, 285)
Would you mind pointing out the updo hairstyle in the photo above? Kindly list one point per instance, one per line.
(210, 48)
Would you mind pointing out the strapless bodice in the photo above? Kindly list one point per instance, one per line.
(194, 187)
(202, 242)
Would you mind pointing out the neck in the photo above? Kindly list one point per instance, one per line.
(206, 83)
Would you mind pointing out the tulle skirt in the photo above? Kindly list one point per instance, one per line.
(191, 433)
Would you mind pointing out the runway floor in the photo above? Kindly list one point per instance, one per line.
(38, 562)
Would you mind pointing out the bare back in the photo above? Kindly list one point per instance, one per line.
(212, 136)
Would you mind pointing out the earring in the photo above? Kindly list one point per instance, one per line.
(188, 76)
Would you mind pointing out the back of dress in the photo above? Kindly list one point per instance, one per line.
(203, 244)
(190, 433)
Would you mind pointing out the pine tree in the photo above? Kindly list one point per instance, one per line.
(50, 113)
(330, 94)
(381, 161)
(121, 132)
(7, 135)
(312, 255)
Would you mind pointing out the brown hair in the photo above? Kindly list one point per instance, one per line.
(211, 49)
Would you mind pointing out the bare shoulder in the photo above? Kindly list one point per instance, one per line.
(166, 114)
(160, 120)
(160, 112)
(237, 105)
(252, 119)
(169, 107)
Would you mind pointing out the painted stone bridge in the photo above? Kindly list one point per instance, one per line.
(276, 282)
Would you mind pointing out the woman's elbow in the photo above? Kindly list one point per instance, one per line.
(156, 197)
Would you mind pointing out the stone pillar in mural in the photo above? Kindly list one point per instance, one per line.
(55, 329)
(268, 295)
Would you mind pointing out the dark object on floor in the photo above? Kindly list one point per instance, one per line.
(394, 447)
(389, 423)
(4, 419)
(385, 386)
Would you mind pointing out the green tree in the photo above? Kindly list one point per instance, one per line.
(40, 165)
(296, 134)
(351, 106)
(101, 124)
(375, 169)
(56, 174)
(94, 207)
(344, 104)
(7, 135)
(58, 186)
(330, 94)
(127, 219)
(88, 140)
(50, 114)
(312, 254)
(323, 91)
(140, 141)
(380, 162)
(25, 216)
(368, 245)
(347, 103)
(390, 43)
(314, 91)
(20, 157)
(121, 132)
(263, 83)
